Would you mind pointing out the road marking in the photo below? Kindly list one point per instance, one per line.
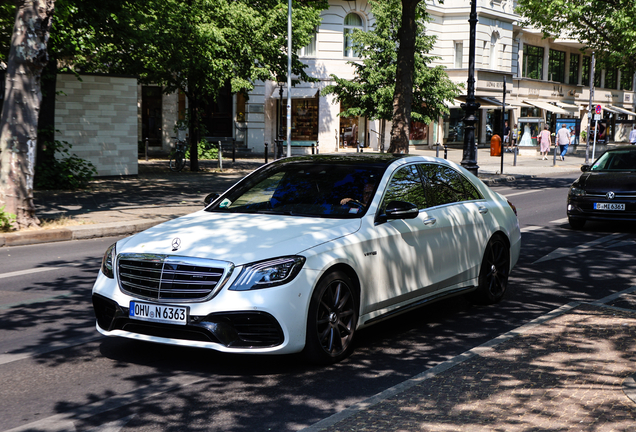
(28, 271)
(538, 227)
(526, 192)
(563, 252)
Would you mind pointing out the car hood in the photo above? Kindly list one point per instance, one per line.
(602, 182)
(237, 238)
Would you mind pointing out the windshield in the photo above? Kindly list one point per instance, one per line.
(616, 160)
(304, 189)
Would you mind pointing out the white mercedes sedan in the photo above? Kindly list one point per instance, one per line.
(305, 251)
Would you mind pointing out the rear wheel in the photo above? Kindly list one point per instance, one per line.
(576, 223)
(177, 162)
(332, 320)
(494, 271)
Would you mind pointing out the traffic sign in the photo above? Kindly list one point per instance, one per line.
(598, 109)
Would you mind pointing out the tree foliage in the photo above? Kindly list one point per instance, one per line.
(372, 92)
(606, 26)
(199, 46)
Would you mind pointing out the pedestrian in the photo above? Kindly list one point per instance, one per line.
(563, 140)
(515, 135)
(632, 135)
(545, 142)
(506, 136)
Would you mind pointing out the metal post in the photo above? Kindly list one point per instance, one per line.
(317, 147)
(146, 149)
(289, 72)
(437, 150)
(589, 108)
(313, 148)
(503, 124)
(233, 150)
(594, 147)
(515, 149)
(470, 107)
(220, 157)
(445, 152)
(555, 153)
(266, 145)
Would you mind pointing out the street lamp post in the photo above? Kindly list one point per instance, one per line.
(469, 160)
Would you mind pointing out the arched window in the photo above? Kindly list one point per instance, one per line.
(351, 22)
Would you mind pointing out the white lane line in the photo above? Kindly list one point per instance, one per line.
(526, 192)
(563, 252)
(28, 271)
(537, 227)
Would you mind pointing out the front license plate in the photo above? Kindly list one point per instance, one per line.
(609, 206)
(158, 313)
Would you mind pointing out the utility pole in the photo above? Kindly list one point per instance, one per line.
(589, 110)
(469, 160)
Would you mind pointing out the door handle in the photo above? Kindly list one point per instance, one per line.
(430, 221)
(483, 210)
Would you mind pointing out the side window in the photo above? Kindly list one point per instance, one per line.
(444, 185)
(406, 185)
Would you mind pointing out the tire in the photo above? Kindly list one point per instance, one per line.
(494, 272)
(177, 162)
(576, 223)
(332, 320)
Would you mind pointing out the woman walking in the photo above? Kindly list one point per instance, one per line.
(545, 141)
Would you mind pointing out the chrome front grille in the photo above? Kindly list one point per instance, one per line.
(171, 278)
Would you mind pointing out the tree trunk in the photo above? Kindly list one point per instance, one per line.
(403, 96)
(18, 125)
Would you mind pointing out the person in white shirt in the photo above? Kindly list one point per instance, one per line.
(563, 140)
(632, 135)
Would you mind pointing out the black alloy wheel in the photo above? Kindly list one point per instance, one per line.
(494, 272)
(332, 320)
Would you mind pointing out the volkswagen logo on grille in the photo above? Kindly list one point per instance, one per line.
(176, 243)
(610, 195)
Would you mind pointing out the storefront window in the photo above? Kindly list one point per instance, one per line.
(352, 131)
(533, 62)
(587, 65)
(304, 119)
(418, 133)
(528, 131)
(530, 112)
(454, 127)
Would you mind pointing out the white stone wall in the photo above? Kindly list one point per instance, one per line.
(98, 117)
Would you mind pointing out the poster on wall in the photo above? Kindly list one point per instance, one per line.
(573, 126)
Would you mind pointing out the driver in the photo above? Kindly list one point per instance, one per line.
(366, 196)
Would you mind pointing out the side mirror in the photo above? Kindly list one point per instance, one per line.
(401, 210)
(585, 168)
(209, 198)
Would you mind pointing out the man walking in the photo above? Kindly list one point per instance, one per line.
(632, 135)
(563, 140)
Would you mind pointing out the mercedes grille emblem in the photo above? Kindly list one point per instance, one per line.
(176, 243)
(610, 195)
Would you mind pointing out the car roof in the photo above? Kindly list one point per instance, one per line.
(369, 159)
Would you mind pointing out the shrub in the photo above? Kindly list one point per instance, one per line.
(67, 171)
(206, 151)
(6, 220)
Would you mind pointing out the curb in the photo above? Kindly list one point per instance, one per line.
(80, 232)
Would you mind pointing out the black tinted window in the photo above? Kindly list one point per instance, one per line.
(444, 185)
(406, 185)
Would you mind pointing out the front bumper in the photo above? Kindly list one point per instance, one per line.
(583, 208)
(270, 320)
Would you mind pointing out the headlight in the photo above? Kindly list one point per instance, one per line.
(265, 274)
(109, 261)
(577, 191)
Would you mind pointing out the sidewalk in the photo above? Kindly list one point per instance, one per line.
(124, 206)
(572, 369)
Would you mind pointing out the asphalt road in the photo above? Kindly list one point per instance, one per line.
(58, 373)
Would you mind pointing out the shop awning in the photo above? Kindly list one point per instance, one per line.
(546, 106)
(453, 104)
(611, 109)
(568, 107)
(483, 102)
(622, 110)
(296, 93)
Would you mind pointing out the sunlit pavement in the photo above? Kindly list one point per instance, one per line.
(569, 370)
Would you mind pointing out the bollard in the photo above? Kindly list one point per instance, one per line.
(554, 158)
(220, 157)
(233, 150)
(266, 145)
(516, 151)
(317, 147)
(437, 150)
(445, 152)
(146, 149)
(313, 148)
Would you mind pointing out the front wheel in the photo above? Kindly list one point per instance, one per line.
(494, 271)
(332, 320)
(177, 162)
